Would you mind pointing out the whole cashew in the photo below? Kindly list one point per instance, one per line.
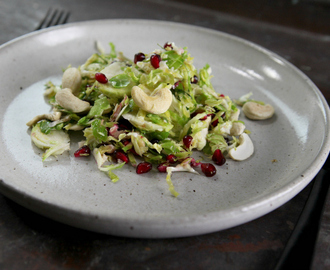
(256, 111)
(49, 116)
(244, 150)
(156, 103)
(72, 79)
(234, 116)
(68, 101)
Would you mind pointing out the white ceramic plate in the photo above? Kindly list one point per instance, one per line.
(289, 149)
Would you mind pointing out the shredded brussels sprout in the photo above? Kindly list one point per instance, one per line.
(118, 132)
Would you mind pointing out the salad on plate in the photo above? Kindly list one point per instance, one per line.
(154, 111)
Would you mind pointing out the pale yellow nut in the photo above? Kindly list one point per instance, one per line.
(68, 101)
(256, 111)
(49, 116)
(237, 129)
(244, 150)
(234, 115)
(156, 103)
(72, 79)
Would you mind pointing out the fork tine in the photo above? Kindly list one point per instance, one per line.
(53, 17)
(40, 26)
(63, 18)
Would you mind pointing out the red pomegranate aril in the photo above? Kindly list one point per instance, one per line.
(139, 57)
(203, 118)
(194, 163)
(162, 167)
(121, 156)
(194, 79)
(101, 78)
(83, 151)
(155, 60)
(143, 167)
(194, 114)
(222, 95)
(175, 85)
(168, 46)
(125, 142)
(218, 157)
(187, 140)
(171, 158)
(215, 122)
(208, 169)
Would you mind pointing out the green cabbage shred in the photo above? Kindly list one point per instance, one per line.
(115, 122)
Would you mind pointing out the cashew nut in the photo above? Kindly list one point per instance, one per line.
(156, 103)
(72, 79)
(49, 116)
(237, 129)
(234, 116)
(68, 101)
(244, 150)
(256, 111)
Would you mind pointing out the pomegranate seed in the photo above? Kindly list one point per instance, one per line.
(155, 60)
(101, 78)
(162, 167)
(215, 122)
(132, 150)
(208, 169)
(171, 158)
(194, 79)
(83, 151)
(125, 142)
(187, 140)
(119, 154)
(168, 46)
(143, 167)
(139, 57)
(203, 118)
(218, 157)
(222, 95)
(194, 163)
(194, 114)
(175, 85)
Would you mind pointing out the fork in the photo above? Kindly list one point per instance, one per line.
(53, 17)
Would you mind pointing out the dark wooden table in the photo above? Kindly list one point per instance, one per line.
(297, 30)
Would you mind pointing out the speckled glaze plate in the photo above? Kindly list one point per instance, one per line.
(290, 148)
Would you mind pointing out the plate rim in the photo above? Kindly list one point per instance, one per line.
(298, 184)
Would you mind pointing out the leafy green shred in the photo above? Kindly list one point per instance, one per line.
(55, 142)
(100, 132)
(115, 123)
